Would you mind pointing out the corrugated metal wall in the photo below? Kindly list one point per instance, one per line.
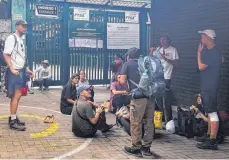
(181, 19)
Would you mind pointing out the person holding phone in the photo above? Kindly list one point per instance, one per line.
(209, 61)
(87, 116)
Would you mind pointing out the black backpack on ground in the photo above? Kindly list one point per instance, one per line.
(186, 122)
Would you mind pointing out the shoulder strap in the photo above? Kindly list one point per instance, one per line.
(15, 40)
(77, 111)
(134, 83)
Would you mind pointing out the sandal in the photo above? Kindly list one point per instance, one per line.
(49, 119)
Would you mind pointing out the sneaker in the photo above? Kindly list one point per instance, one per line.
(30, 91)
(18, 121)
(208, 144)
(203, 138)
(146, 153)
(15, 126)
(46, 89)
(107, 128)
(133, 152)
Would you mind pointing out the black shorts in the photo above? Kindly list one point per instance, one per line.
(210, 99)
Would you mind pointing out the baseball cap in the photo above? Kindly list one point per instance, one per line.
(82, 88)
(21, 22)
(46, 62)
(209, 32)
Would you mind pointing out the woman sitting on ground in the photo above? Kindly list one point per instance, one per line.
(68, 95)
(119, 94)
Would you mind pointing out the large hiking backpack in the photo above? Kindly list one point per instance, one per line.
(152, 80)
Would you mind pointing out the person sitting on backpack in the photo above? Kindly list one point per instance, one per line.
(87, 116)
(119, 94)
(68, 95)
(45, 75)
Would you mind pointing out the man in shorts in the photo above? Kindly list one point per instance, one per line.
(209, 61)
(15, 58)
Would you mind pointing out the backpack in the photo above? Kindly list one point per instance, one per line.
(152, 80)
(2, 59)
(186, 122)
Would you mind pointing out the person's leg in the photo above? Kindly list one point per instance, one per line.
(137, 110)
(40, 83)
(126, 124)
(149, 128)
(102, 124)
(47, 82)
(210, 105)
(167, 101)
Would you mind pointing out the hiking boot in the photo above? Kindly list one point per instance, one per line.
(18, 121)
(133, 152)
(15, 126)
(107, 128)
(208, 144)
(203, 138)
(146, 153)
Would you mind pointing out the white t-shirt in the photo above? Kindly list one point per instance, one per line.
(44, 73)
(17, 53)
(172, 54)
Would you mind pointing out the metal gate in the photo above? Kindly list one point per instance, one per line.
(50, 38)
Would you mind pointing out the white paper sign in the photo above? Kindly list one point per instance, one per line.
(131, 17)
(88, 43)
(122, 36)
(81, 14)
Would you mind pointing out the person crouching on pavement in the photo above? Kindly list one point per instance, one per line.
(45, 75)
(87, 116)
(68, 95)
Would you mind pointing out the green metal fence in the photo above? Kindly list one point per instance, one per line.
(56, 38)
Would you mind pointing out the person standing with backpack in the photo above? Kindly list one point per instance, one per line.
(139, 107)
(15, 58)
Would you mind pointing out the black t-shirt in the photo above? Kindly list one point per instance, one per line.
(130, 69)
(68, 92)
(210, 77)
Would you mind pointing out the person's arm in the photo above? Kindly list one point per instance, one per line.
(68, 95)
(174, 60)
(37, 70)
(124, 71)
(201, 65)
(126, 116)
(7, 53)
(200, 113)
(115, 92)
(90, 115)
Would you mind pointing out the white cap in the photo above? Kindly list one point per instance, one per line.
(210, 33)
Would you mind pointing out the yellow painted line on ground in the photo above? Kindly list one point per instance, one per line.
(50, 130)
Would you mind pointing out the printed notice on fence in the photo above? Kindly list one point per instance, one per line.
(122, 36)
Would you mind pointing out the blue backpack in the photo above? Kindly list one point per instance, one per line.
(152, 82)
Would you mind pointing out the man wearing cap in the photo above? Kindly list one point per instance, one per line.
(209, 61)
(15, 57)
(45, 75)
(87, 116)
(141, 109)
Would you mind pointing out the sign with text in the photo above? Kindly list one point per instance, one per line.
(81, 14)
(46, 11)
(122, 35)
(131, 17)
